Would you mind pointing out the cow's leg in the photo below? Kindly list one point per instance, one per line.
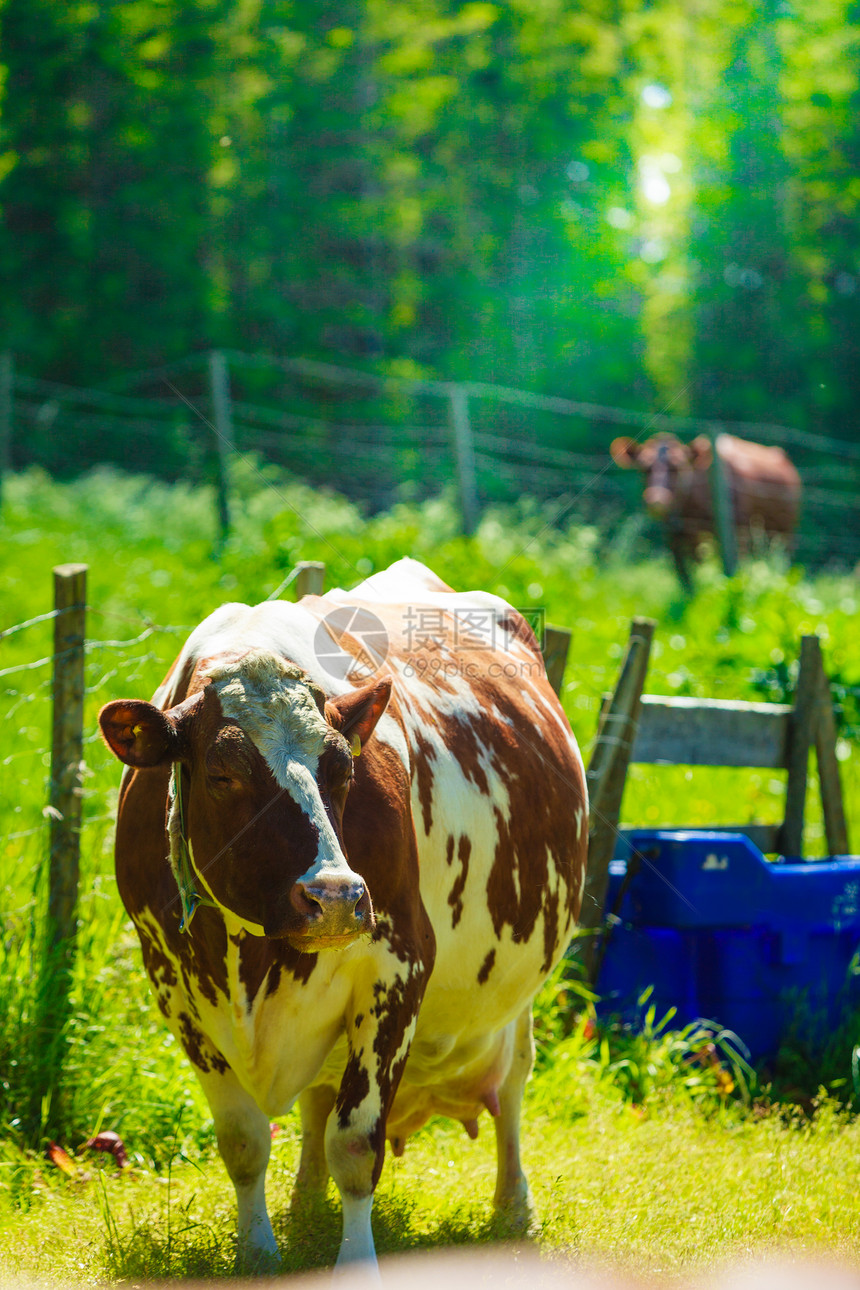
(681, 559)
(354, 1147)
(244, 1140)
(355, 1132)
(513, 1199)
(316, 1106)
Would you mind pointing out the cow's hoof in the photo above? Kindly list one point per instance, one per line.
(517, 1216)
(358, 1272)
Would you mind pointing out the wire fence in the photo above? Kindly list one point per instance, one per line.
(383, 438)
(130, 658)
(134, 662)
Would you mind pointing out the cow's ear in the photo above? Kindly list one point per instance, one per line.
(140, 734)
(355, 714)
(699, 452)
(624, 452)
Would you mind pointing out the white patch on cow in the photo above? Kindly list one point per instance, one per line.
(357, 1244)
(394, 585)
(224, 625)
(270, 699)
(388, 732)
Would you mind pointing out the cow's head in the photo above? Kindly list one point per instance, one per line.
(265, 764)
(666, 464)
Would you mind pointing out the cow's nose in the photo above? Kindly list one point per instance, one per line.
(332, 905)
(658, 500)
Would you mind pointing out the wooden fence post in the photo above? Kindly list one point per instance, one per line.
(222, 418)
(67, 748)
(802, 729)
(310, 578)
(64, 809)
(464, 455)
(7, 378)
(556, 643)
(724, 520)
(835, 827)
(607, 772)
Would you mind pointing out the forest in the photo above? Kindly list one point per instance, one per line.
(646, 204)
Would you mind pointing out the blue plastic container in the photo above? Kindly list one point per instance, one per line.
(721, 933)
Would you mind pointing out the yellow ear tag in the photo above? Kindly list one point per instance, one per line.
(356, 746)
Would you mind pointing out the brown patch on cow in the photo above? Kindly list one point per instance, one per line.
(486, 967)
(423, 774)
(550, 931)
(395, 1009)
(160, 968)
(302, 967)
(461, 738)
(354, 1088)
(545, 786)
(455, 897)
(263, 962)
(180, 681)
(377, 1141)
(520, 629)
(200, 1052)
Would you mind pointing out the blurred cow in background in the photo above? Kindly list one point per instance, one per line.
(763, 485)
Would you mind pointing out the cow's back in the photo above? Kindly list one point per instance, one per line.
(764, 484)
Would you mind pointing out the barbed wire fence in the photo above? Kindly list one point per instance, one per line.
(379, 439)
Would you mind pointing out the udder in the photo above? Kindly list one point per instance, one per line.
(457, 1080)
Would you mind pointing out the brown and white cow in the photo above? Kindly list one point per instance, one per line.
(372, 929)
(763, 484)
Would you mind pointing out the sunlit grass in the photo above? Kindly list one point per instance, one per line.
(667, 1189)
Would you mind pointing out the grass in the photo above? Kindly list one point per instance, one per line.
(664, 1188)
(614, 1121)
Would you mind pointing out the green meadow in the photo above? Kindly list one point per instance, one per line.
(637, 1152)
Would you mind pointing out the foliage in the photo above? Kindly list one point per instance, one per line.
(629, 203)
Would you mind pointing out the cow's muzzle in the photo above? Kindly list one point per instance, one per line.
(328, 912)
(658, 502)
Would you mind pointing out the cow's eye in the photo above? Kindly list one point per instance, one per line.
(342, 779)
(221, 781)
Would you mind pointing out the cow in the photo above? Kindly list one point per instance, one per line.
(763, 485)
(352, 837)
